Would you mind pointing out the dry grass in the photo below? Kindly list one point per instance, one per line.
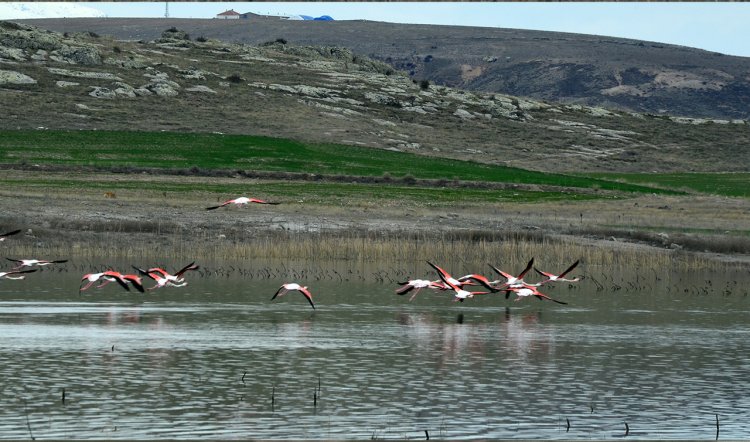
(461, 251)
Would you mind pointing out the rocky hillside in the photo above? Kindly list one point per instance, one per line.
(179, 82)
(609, 72)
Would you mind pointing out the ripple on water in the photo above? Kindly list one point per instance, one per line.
(371, 368)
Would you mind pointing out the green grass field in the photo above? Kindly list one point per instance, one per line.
(736, 184)
(236, 152)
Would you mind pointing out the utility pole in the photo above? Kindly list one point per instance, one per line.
(166, 11)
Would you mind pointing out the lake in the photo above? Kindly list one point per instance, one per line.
(651, 356)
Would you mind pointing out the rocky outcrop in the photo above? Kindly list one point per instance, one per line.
(29, 40)
(12, 77)
(84, 74)
(102, 92)
(161, 85)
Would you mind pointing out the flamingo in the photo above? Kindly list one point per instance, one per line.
(240, 201)
(33, 262)
(5, 235)
(417, 285)
(471, 279)
(530, 290)
(459, 293)
(133, 279)
(109, 275)
(288, 287)
(552, 277)
(510, 280)
(161, 281)
(16, 272)
(177, 277)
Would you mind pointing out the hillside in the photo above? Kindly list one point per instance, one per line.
(615, 73)
(330, 95)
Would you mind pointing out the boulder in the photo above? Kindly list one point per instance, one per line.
(162, 89)
(125, 90)
(201, 88)
(83, 55)
(12, 54)
(62, 83)
(13, 77)
(463, 114)
(102, 92)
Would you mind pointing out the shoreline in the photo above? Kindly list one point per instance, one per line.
(139, 224)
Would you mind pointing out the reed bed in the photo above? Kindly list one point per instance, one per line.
(460, 250)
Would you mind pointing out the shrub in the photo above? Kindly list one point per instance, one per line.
(201, 39)
(234, 78)
(424, 84)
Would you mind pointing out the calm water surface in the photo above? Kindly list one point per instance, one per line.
(217, 359)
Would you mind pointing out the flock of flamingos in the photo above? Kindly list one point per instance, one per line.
(509, 284)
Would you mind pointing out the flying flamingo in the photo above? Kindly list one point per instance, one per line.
(161, 281)
(240, 201)
(510, 280)
(16, 272)
(33, 262)
(5, 235)
(417, 285)
(459, 293)
(109, 275)
(177, 277)
(552, 277)
(471, 279)
(288, 287)
(530, 290)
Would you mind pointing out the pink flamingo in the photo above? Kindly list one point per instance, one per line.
(133, 279)
(471, 279)
(417, 285)
(459, 293)
(530, 290)
(33, 262)
(288, 287)
(177, 277)
(560, 278)
(161, 281)
(16, 272)
(240, 201)
(5, 235)
(108, 276)
(510, 279)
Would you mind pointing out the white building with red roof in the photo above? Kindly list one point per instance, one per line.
(228, 15)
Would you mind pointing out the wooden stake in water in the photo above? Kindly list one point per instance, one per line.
(273, 396)
(63, 396)
(627, 429)
(28, 423)
(426, 435)
(717, 427)
(567, 427)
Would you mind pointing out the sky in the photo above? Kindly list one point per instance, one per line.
(715, 26)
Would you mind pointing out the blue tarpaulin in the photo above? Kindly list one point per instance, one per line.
(322, 17)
